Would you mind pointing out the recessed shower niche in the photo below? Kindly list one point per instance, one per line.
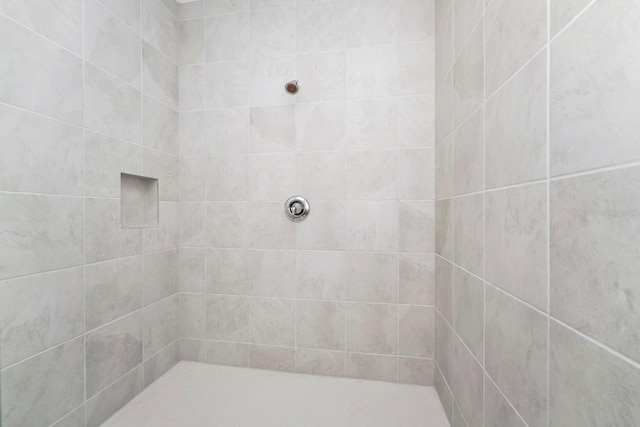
(138, 201)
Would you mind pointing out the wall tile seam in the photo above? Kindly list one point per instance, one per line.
(571, 22)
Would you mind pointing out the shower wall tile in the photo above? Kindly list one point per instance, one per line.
(266, 77)
(467, 15)
(227, 37)
(325, 230)
(160, 126)
(32, 240)
(191, 221)
(273, 31)
(371, 22)
(29, 79)
(75, 418)
(563, 11)
(372, 71)
(112, 351)
(372, 226)
(192, 269)
(160, 28)
(227, 131)
(104, 238)
(320, 362)
(416, 20)
(321, 275)
(371, 124)
(110, 44)
(234, 92)
(159, 276)
(160, 325)
(193, 312)
(228, 353)
(372, 175)
(468, 155)
(320, 324)
(469, 233)
(416, 279)
(416, 121)
(166, 169)
(191, 133)
(416, 180)
(228, 318)
(372, 277)
(416, 68)
(192, 179)
(444, 39)
(321, 176)
(327, 70)
(320, 26)
(272, 273)
(320, 126)
(468, 314)
(127, 10)
(227, 226)
(34, 142)
(111, 106)
(273, 321)
(469, 77)
(227, 178)
(192, 42)
(497, 410)
(417, 226)
(228, 271)
(191, 82)
(415, 331)
(467, 384)
(112, 289)
(274, 358)
(39, 312)
(415, 371)
(159, 76)
(372, 328)
(272, 177)
(372, 367)
(164, 360)
(27, 400)
(106, 403)
(216, 7)
(272, 129)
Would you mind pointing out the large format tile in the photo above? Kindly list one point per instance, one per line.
(469, 233)
(467, 384)
(101, 406)
(29, 80)
(589, 385)
(320, 324)
(469, 77)
(27, 400)
(228, 318)
(160, 326)
(594, 78)
(32, 240)
(372, 328)
(594, 288)
(468, 303)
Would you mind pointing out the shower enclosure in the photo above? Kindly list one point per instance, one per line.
(471, 173)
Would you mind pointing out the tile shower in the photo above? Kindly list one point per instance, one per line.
(472, 170)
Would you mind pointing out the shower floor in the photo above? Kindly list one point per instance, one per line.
(201, 395)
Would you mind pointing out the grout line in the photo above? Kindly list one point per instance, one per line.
(548, 234)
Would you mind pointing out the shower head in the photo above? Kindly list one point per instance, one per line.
(292, 87)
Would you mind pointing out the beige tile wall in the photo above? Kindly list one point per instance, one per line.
(88, 310)
(537, 212)
(349, 291)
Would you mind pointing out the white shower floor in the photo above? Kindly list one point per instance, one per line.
(200, 395)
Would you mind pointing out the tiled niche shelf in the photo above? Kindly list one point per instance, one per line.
(138, 201)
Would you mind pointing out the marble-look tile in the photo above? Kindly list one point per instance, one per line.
(320, 27)
(468, 315)
(273, 321)
(466, 15)
(372, 175)
(416, 21)
(372, 226)
(516, 354)
(272, 129)
(594, 221)
(193, 308)
(589, 385)
(444, 170)
(515, 32)
(415, 371)
(272, 177)
(320, 362)
(325, 229)
(416, 121)
(266, 77)
(416, 277)
(127, 10)
(32, 240)
(217, 7)
(227, 178)
(469, 77)
(444, 108)
(273, 31)
(372, 367)
(105, 159)
(467, 386)
(273, 358)
(110, 44)
(327, 72)
(166, 168)
(192, 220)
(191, 133)
(320, 325)
(104, 237)
(112, 351)
(111, 290)
(75, 418)
(270, 228)
(167, 234)
(59, 21)
(27, 400)
(160, 28)
(416, 68)
(469, 233)
(192, 87)
(33, 142)
(160, 128)
(444, 228)
(30, 82)
(272, 273)
(320, 126)
(111, 106)
(444, 39)
(232, 94)
(444, 393)
(516, 127)
(444, 288)
(159, 275)
(160, 325)
(372, 277)
(497, 410)
(191, 270)
(594, 75)
(416, 331)
(160, 76)
(192, 42)
(372, 71)
(372, 328)
(228, 318)
(371, 124)
(267, 4)
(468, 155)
(192, 179)
(227, 37)
(228, 271)
(228, 353)
(227, 130)
(516, 220)
(164, 360)
(321, 176)
(38, 312)
(564, 11)
(106, 403)
(371, 22)
(321, 275)
(416, 177)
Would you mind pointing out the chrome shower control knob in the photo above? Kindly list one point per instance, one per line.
(297, 208)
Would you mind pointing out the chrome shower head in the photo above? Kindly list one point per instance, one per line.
(292, 87)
